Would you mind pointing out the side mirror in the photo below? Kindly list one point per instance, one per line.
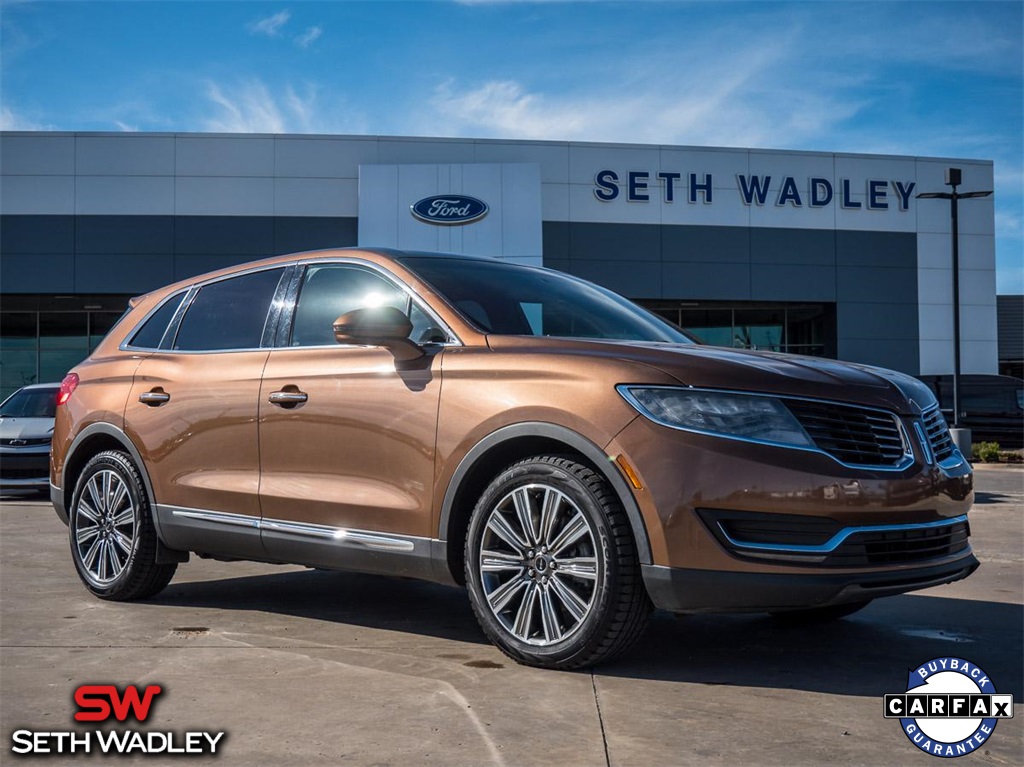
(379, 326)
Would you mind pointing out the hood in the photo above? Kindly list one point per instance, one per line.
(25, 428)
(752, 371)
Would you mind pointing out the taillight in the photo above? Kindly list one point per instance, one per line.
(67, 388)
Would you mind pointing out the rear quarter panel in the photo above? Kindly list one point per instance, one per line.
(103, 387)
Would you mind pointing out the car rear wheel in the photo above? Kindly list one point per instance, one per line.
(552, 568)
(820, 614)
(113, 542)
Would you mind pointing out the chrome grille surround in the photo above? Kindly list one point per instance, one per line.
(855, 436)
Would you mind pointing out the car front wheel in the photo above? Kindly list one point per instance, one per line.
(113, 542)
(552, 568)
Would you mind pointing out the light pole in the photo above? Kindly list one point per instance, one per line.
(953, 179)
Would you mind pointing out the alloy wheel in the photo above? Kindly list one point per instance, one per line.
(538, 564)
(105, 527)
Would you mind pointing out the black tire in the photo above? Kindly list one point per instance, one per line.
(618, 605)
(814, 615)
(140, 577)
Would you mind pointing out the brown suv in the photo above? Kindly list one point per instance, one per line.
(568, 456)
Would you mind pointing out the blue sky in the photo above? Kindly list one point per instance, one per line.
(919, 78)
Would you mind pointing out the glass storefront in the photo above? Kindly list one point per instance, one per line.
(42, 337)
(780, 327)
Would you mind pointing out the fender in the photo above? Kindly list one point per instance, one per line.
(57, 493)
(578, 442)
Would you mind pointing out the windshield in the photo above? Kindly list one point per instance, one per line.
(30, 403)
(509, 299)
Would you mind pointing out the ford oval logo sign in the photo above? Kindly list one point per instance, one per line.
(449, 209)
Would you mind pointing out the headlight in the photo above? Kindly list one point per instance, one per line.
(738, 416)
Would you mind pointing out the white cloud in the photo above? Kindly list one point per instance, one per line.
(765, 97)
(725, 108)
(11, 120)
(249, 109)
(309, 36)
(269, 26)
(252, 107)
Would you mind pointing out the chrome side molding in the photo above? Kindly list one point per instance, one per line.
(363, 538)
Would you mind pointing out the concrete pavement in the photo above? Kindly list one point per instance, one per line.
(306, 667)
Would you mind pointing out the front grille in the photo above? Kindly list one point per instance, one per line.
(10, 473)
(851, 434)
(937, 431)
(18, 442)
(897, 547)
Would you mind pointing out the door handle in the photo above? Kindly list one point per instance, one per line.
(154, 398)
(287, 398)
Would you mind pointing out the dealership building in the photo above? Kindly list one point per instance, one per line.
(826, 254)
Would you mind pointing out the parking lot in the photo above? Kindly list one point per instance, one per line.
(305, 667)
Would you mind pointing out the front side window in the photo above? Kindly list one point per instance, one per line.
(331, 290)
(229, 314)
(507, 299)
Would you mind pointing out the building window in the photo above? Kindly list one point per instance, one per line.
(42, 337)
(792, 328)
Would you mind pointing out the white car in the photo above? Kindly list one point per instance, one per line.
(26, 430)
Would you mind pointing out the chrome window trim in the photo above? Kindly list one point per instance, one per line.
(364, 538)
(287, 314)
(908, 454)
(198, 288)
(839, 538)
(278, 307)
(274, 336)
(126, 345)
(191, 292)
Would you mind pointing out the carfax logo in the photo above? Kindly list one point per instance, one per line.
(102, 703)
(950, 707)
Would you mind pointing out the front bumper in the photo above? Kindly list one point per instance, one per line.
(798, 528)
(685, 590)
(25, 469)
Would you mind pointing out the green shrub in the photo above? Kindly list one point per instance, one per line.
(986, 452)
(1011, 456)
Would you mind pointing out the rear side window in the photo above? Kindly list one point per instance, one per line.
(153, 329)
(229, 314)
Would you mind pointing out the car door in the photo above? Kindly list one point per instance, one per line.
(347, 432)
(192, 414)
